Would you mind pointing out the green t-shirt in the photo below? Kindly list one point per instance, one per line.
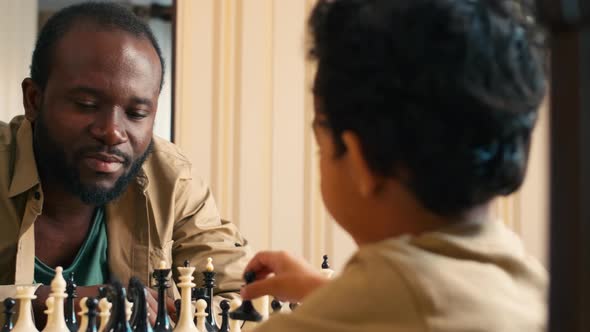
(90, 266)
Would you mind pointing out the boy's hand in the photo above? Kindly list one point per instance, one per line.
(281, 275)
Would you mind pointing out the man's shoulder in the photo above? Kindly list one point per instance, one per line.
(8, 132)
(166, 162)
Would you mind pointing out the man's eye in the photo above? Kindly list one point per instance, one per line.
(86, 104)
(137, 115)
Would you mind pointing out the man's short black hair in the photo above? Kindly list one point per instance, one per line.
(106, 15)
(447, 90)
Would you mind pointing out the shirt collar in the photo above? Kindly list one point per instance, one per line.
(25, 175)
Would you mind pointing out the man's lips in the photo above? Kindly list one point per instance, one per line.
(103, 163)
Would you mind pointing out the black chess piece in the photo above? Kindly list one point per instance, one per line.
(92, 305)
(224, 305)
(118, 321)
(139, 317)
(325, 264)
(293, 306)
(69, 308)
(9, 304)
(246, 311)
(162, 319)
(177, 305)
(102, 292)
(209, 281)
(276, 306)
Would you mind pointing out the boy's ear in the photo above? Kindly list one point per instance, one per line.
(367, 182)
(31, 99)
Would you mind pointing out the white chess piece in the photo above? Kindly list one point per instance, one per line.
(128, 309)
(262, 306)
(210, 266)
(235, 325)
(83, 315)
(185, 321)
(24, 295)
(49, 311)
(201, 315)
(58, 292)
(105, 313)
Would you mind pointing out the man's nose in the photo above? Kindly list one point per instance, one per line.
(109, 127)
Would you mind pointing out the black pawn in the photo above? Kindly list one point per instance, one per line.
(325, 264)
(224, 305)
(246, 311)
(118, 321)
(92, 304)
(9, 304)
(139, 318)
(209, 281)
(276, 306)
(69, 309)
(162, 319)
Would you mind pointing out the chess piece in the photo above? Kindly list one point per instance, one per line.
(25, 323)
(326, 271)
(209, 281)
(9, 304)
(162, 319)
(201, 315)
(56, 321)
(69, 310)
(118, 321)
(49, 311)
(185, 320)
(276, 306)
(293, 306)
(128, 309)
(235, 325)
(104, 307)
(247, 311)
(83, 316)
(91, 306)
(177, 306)
(224, 305)
(139, 319)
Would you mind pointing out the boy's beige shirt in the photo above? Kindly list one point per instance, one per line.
(465, 278)
(166, 214)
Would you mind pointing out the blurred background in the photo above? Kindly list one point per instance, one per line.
(237, 101)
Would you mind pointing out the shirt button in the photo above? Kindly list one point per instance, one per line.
(37, 195)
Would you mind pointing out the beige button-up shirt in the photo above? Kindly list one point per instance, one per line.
(167, 214)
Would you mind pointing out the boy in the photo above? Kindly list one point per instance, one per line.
(423, 115)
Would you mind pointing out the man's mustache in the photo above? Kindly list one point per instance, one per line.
(80, 154)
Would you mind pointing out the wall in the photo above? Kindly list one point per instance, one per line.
(18, 30)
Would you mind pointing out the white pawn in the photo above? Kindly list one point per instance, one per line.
(235, 325)
(83, 315)
(57, 321)
(201, 315)
(105, 313)
(210, 267)
(185, 321)
(128, 309)
(24, 294)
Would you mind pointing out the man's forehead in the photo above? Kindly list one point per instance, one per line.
(91, 50)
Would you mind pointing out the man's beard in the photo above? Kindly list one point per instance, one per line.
(54, 167)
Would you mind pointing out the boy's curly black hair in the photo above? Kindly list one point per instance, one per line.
(445, 89)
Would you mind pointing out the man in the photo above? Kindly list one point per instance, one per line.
(84, 184)
(424, 111)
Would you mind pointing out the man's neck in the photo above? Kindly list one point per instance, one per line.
(59, 204)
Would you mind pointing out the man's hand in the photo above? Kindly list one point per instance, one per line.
(283, 276)
(152, 306)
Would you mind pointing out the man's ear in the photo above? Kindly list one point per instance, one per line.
(32, 96)
(366, 181)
